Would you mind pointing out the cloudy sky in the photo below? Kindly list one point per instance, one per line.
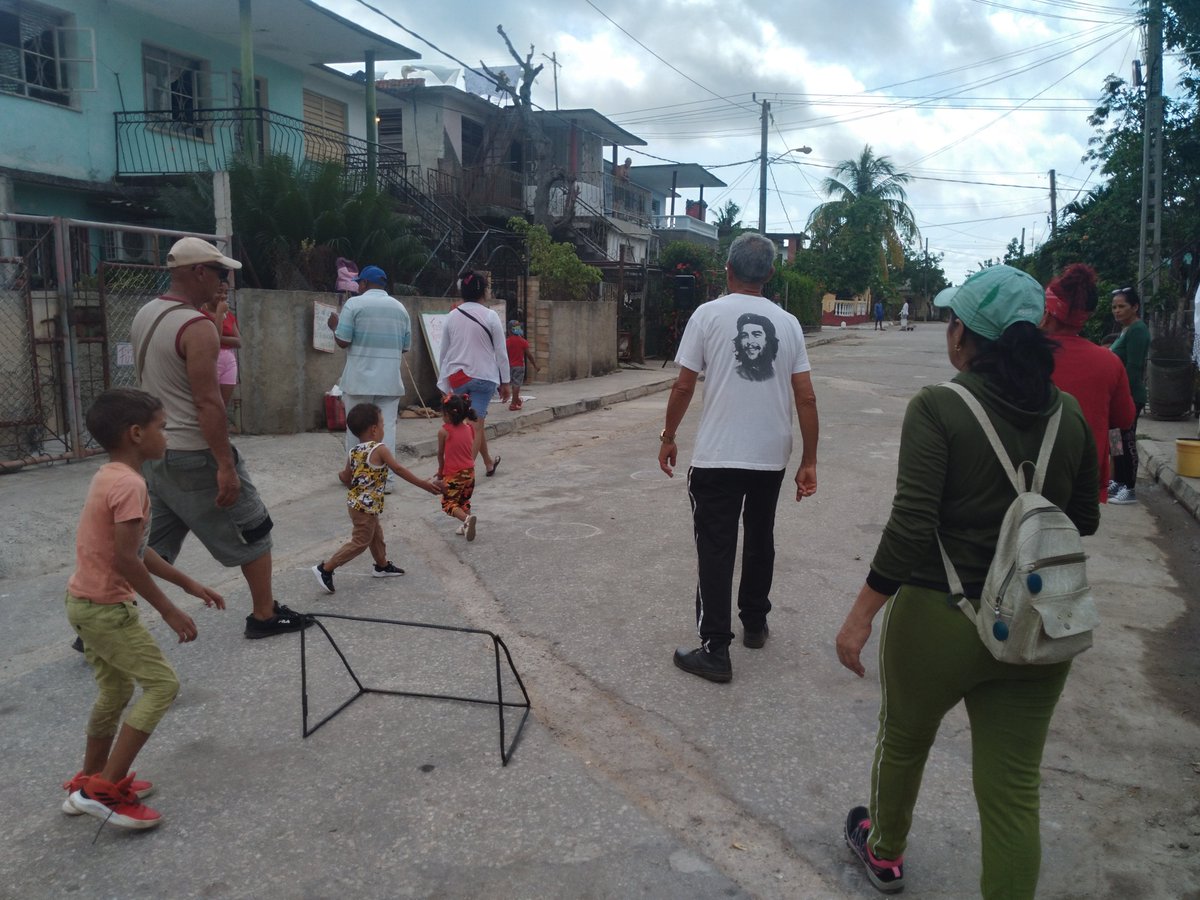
(978, 99)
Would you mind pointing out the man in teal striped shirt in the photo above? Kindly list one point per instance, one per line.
(375, 330)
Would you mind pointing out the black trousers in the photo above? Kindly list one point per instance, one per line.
(1125, 466)
(719, 498)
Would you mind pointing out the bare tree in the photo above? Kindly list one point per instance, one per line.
(533, 138)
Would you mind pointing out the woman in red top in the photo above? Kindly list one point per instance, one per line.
(231, 340)
(1083, 369)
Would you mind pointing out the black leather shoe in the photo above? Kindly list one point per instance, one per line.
(710, 664)
(755, 639)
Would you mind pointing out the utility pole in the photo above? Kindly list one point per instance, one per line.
(1053, 207)
(1150, 241)
(555, 66)
(925, 287)
(762, 171)
(1022, 242)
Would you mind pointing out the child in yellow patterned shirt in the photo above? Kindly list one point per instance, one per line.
(365, 475)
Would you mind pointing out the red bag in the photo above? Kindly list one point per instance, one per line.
(335, 413)
(458, 379)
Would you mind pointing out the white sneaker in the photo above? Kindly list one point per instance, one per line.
(470, 527)
(461, 529)
(1124, 496)
(1113, 487)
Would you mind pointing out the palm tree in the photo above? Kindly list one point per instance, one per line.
(870, 181)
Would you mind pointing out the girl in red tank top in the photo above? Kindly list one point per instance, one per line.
(458, 445)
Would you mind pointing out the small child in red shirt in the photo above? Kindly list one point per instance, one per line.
(518, 355)
(458, 445)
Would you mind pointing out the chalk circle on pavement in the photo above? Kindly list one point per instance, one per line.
(651, 475)
(567, 531)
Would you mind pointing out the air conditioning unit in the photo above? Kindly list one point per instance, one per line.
(128, 246)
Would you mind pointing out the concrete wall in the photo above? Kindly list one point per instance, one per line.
(571, 339)
(284, 380)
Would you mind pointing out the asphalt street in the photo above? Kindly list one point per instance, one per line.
(631, 777)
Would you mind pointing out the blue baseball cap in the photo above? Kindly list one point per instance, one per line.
(991, 300)
(373, 274)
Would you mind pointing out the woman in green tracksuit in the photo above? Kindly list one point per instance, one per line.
(930, 655)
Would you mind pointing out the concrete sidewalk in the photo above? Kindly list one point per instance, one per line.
(1156, 447)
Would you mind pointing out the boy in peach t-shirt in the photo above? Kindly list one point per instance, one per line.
(112, 562)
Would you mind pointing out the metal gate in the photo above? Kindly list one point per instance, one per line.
(68, 292)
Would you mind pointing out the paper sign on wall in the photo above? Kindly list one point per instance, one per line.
(322, 335)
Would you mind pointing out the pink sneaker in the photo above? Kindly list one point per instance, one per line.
(141, 788)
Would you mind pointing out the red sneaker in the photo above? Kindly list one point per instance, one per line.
(115, 804)
(141, 788)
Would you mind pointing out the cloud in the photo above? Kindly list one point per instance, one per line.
(835, 82)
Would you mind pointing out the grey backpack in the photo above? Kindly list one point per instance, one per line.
(1037, 607)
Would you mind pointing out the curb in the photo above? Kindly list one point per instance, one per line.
(422, 449)
(1159, 463)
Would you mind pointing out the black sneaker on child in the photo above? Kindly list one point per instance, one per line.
(711, 664)
(387, 571)
(284, 621)
(886, 874)
(324, 579)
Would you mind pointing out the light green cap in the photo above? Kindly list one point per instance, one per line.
(991, 300)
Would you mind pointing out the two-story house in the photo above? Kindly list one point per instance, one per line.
(97, 96)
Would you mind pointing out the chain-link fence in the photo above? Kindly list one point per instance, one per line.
(68, 294)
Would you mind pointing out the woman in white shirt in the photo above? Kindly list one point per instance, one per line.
(473, 359)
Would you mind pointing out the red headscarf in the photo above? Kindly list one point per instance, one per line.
(1068, 294)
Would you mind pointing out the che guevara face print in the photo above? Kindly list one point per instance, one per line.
(755, 347)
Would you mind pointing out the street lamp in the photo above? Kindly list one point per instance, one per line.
(763, 162)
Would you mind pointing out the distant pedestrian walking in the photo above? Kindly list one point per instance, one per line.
(518, 356)
(904, 316)
(458, 444)
(365, 476)
(474, 359)
(879, 315)
(756, 370)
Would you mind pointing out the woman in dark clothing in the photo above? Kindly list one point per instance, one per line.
(1132, 348)
(950, 484)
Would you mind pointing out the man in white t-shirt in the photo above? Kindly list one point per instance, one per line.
(904, 316)
(756, 370)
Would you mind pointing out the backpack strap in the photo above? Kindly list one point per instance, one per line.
(990, 431)
(1043, 460)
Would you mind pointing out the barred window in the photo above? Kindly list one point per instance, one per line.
(175, 83)
(41, 56)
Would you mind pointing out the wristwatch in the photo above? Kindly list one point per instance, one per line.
(666, 438)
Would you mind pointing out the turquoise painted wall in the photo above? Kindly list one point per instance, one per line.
(80, 143)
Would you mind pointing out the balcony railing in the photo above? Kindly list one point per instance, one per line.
(689, 226)
(154, 142)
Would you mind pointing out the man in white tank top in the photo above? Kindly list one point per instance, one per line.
(201, 486)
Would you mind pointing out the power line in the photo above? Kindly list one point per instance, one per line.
(656, 56)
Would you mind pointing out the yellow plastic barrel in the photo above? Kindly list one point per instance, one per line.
(1187, 457)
